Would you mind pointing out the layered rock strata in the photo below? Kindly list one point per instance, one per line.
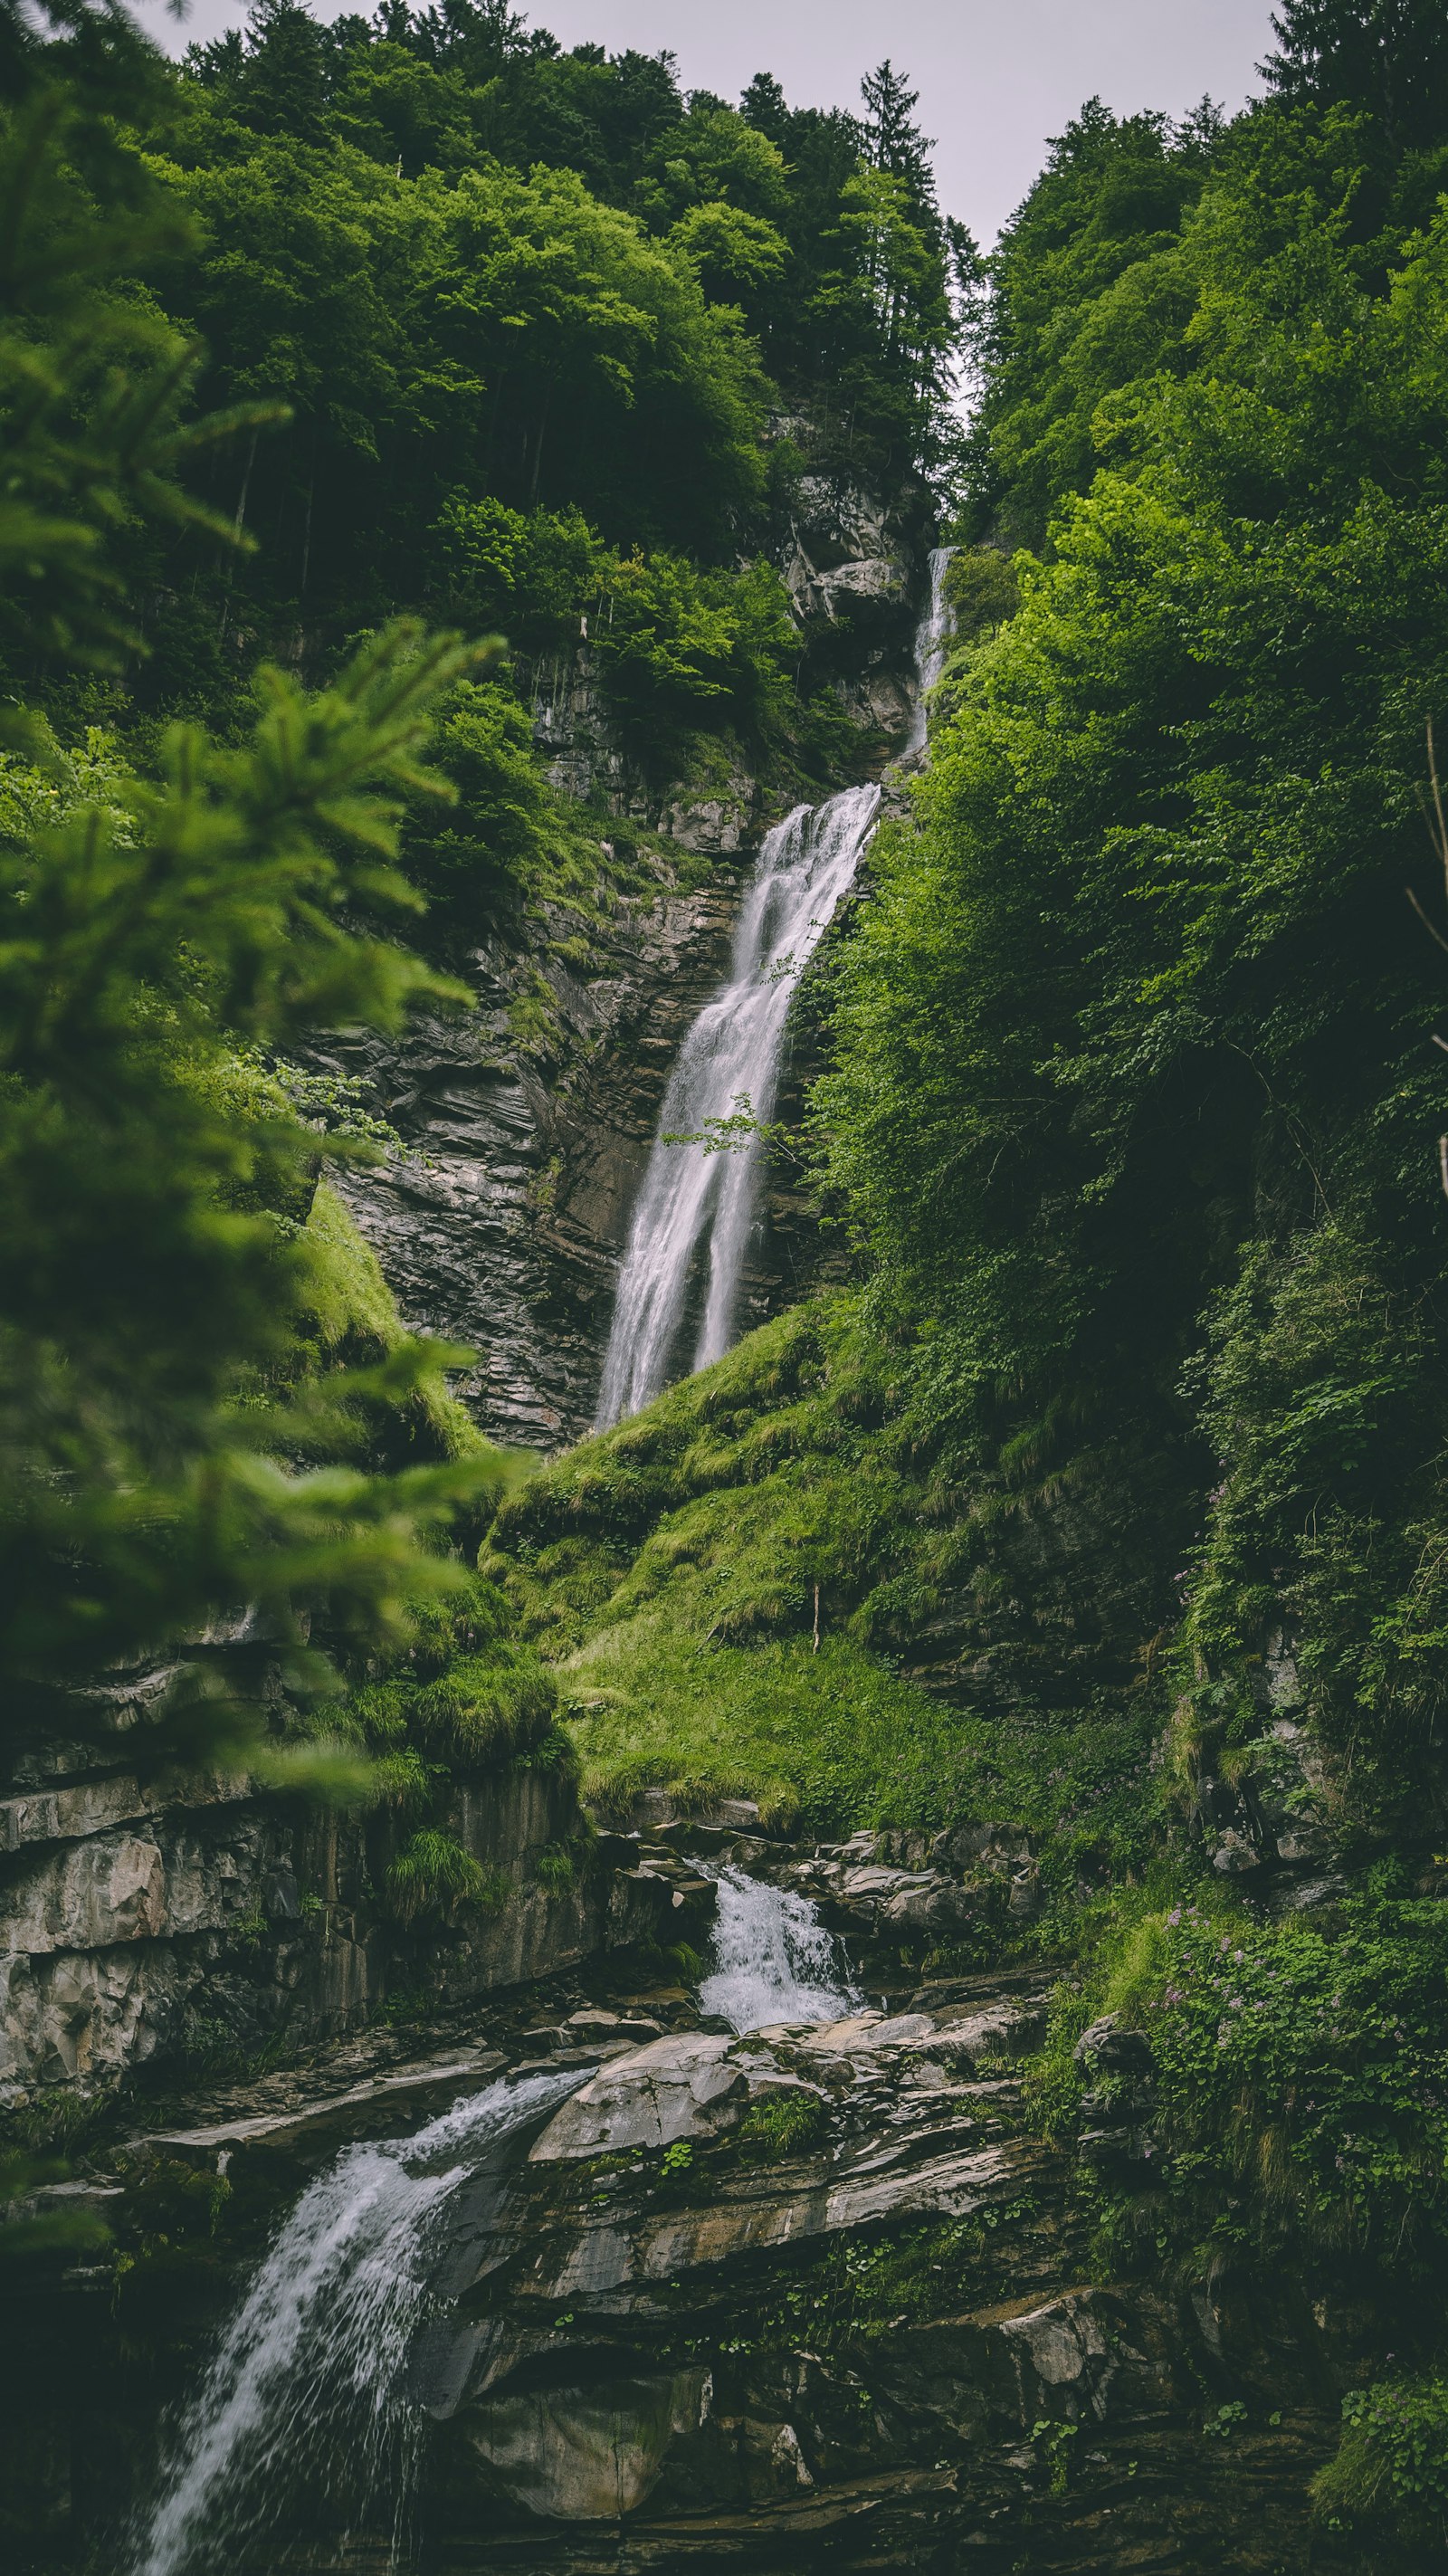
(810, 2296)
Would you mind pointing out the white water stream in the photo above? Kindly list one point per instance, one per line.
(305, 2408)
(304, 2401)
(695, 1208)
(773, 1958)
(685, 1255)
(936, 628)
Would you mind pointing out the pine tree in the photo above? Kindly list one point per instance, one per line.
(170, 1447)
(283, 89)
(893, 141)
(1389, 57)
(763, 105)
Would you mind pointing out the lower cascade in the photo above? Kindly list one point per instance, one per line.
(695, 1210)
(304, 2400)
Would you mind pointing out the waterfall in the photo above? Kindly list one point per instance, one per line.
(692, 1220)
(931, 640)
(773, 1958)
(304, 2401)
(690, 1198)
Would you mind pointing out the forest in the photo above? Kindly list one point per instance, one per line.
(354, 378)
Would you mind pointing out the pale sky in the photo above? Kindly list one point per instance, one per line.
(995, 77)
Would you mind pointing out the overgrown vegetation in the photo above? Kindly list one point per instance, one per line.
(182, 1429)
(726, 1587)
(1390, 2478)
(1114, 1487)
(1130, 1440)
(509, 338)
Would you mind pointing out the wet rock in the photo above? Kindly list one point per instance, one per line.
(1235, 1854)
(594, 2022)
(585, 2454)
(938, 1907)
(674, 2088)
(305, 2133)
(1118, 2051)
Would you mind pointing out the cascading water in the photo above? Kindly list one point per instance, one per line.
(305, 2404)
(305, 2400)
(733, 1050)
(936, 628)
(773, 1959)
(691, 1200)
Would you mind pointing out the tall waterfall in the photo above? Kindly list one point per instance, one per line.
(934, 634)
(691, 1199)
(773, 1958)
(691, 1224)
(304, 2401)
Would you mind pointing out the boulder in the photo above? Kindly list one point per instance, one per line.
(586, 2454)
(679, 2087)
(1107, 2046)
(938, 1906)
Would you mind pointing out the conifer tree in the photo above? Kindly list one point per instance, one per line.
(893, 141)
(170, 1448)
(1387, 56)
(763, 105)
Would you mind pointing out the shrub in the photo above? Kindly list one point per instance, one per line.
(433, 1875)
(783, 2125)
(1308, 2062)
(1391, 2469)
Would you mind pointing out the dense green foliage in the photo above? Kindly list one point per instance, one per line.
(515, 339)
(1133, 1106)
(502, 330)
(1300, 2073)
(1134, 1113)
(1389, 2481)
(175, 1436)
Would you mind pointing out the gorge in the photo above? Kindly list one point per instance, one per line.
(724, 1539)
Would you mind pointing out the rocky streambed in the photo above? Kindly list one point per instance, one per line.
(593, 2280)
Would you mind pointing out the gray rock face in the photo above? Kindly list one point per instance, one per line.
(588, 2454)
(501, 1223)
(668, 2090)
(218, 1913)
(673, 2372)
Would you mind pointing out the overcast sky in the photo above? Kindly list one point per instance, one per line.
(995, 77)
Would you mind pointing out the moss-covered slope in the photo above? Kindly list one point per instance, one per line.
(734, 1586)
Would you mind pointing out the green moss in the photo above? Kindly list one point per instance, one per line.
(352, 1305)
(346, 1289)
(555, 1869)
(722, 1584)
(463, 1693)
(820, 1739)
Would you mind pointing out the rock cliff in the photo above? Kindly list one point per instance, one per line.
(149, 1913)
(812, 2295)
(501, 1223)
